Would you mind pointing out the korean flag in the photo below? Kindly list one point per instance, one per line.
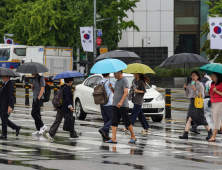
(215, 33)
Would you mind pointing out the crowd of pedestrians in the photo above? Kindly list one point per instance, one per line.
(117, 106)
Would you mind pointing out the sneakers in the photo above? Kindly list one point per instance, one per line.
(35, 133)
(125, 130)
(185, 136)
(145, 132)
(42, 129)
(49, 136)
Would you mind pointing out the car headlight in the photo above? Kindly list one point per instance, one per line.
(159, 98)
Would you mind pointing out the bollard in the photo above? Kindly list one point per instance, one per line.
(26, 94)
(14, 93)
(168, 104)
(55, 89)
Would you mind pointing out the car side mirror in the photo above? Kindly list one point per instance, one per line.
(153, 87)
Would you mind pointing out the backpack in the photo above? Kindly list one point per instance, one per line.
(47, 92)
(57, 100)
(99, 94)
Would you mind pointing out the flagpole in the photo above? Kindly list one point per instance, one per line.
(94, 35)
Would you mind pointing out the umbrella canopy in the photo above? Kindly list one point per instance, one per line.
(68, 74)
(138, 68)
(184, 60)
(32, 67)
(83, 62)
(108, 66)
(213, 67)
(123, 55)
(8, 72)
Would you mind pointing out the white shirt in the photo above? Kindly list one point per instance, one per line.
(81, 69)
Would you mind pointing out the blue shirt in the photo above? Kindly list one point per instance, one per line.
(108, 90)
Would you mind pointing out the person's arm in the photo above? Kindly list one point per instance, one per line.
(216, 91)
(186, 88)
(32, 87)
(123, 98)
(141, 87)
(11, 98)
(41, 92)
(199, 90)
(68, 98)
(111, 87)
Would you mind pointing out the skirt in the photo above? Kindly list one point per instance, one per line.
(197, 115)
(216, 113)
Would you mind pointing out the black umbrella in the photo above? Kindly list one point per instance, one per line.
(184, 60)
(32, 67)
(123, 55)
(8, 72)
(83, 62)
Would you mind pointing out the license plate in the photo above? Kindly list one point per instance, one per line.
(147, 105)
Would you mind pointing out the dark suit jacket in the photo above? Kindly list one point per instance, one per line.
(67, 97)
(7, 96)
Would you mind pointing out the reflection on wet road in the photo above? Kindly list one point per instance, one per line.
(161, 149)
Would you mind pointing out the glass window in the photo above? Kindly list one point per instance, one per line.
(91, 81)
(4, 54)
(98, 80)
(20, 51)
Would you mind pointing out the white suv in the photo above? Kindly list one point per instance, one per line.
(153, 105)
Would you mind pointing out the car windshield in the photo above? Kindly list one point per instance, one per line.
(130, 80)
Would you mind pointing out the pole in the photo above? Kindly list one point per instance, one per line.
(168, 104)
(94, 35)
(26, 94)
(14, 93)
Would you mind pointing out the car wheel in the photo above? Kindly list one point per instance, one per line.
(158, 118)
(80, 114)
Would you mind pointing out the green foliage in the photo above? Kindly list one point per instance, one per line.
(57, 22)
(214, 12)
(178, 72)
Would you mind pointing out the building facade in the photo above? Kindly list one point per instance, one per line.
(174, 25)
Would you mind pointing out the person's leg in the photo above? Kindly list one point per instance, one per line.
(115, 123)
(135, 113)
(124, 113)
(12, 125)
(216, 115)
(143, 119)
(4, 118)
(53, 129)
(188, 124)
(108, 120)
(36, 114)
(187, 128)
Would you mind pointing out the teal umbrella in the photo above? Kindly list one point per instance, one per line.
(108, 66)
(213, 67)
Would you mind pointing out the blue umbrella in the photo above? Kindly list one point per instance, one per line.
(108, 66)
(68, 74)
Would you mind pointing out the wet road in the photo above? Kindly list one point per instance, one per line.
(159, 150)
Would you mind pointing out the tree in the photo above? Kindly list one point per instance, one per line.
(214, 12)
(57, 22)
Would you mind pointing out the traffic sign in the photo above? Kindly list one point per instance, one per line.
(99, 33)
(103, 50)
(99, 41)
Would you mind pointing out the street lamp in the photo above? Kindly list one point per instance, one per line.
(148, 40)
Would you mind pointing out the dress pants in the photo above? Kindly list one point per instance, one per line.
(6, 121)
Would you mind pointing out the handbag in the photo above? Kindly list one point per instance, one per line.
(69, 123)
(198, 102)
(131, 92)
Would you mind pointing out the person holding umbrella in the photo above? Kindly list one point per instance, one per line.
(215, 92)
(138, 90)
(195, 115)
(120, 98)
(67, 107)
(7, 102)
(38, 88)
